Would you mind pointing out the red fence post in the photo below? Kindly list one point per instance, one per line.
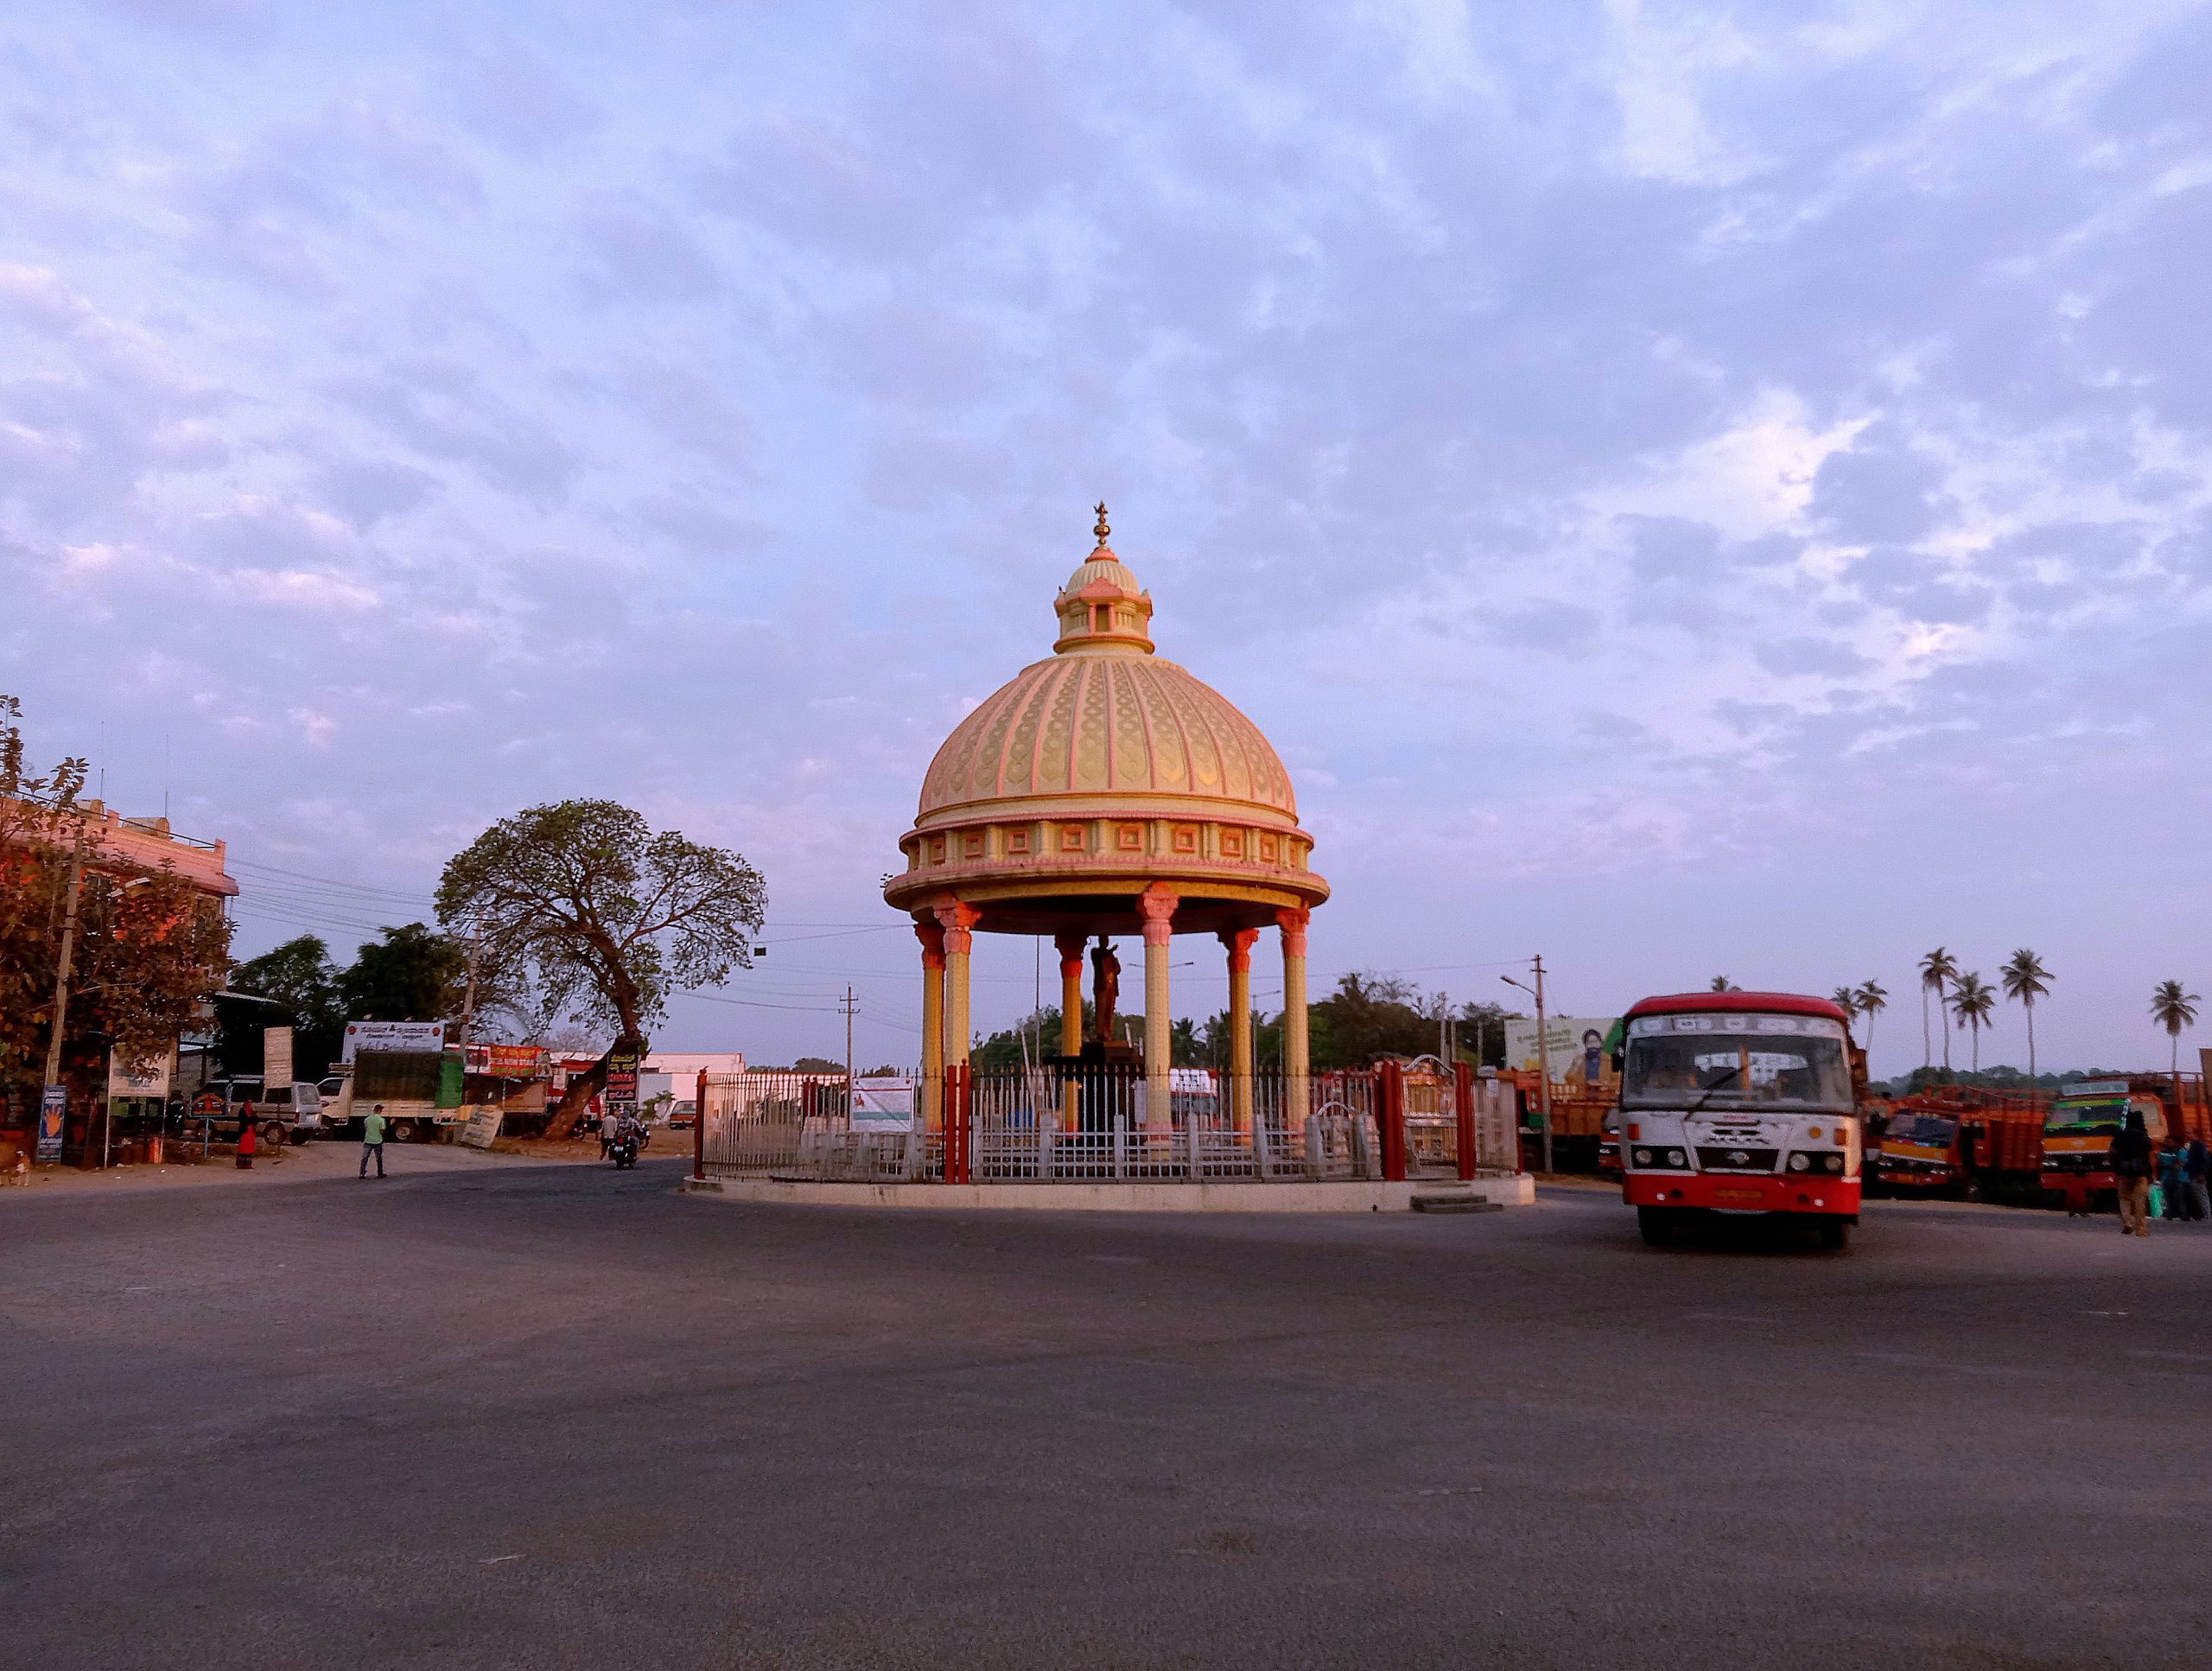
(699, 1130)
(1391, 1120)
(1462, 1117)
(958, 1085)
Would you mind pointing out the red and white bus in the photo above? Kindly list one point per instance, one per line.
(1739, 1101)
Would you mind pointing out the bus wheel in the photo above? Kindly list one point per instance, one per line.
(1657, 1224)
(1835, 1235)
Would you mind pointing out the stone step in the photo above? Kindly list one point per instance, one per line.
(1456, 1203)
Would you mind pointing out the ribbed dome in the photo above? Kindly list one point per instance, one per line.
(1093, 721)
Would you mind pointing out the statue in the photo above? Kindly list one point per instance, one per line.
(1106, 987)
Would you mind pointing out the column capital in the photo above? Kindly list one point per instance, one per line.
(1240, 942)
(1156, 905)
(1070, 946)
(1292, 924)
(931, 935)
(957, 920)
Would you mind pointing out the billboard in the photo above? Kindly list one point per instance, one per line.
(1578, 1045)
(506, 1061)
(882, 1104)
(392, 1035)
(276, 1056)
(148, 1078)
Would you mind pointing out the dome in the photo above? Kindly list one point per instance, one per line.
(1092, 724)
(1101, 769)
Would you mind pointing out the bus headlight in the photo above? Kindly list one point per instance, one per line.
(1800, 1162)
(1644, 1157)
(1676, 1157)
(1832, 1162)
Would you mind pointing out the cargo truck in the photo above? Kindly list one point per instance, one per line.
(406, 1066)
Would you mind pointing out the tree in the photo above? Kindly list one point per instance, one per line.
(1972, 1000)
(2025, 979)
(1936, 968)
(2174, 1009)
(1846, 1000)
(1873, 999)
(148, 947)
(299, 976)
(604, 917)
(1722, 983)
(413, 973)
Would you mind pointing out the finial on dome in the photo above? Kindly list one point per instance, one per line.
(1102, 530)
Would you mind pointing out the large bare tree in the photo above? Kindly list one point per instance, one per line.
(603, 917)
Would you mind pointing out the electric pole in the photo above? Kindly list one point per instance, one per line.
(468, 997)
(1543, 1055)
(68, 956)
(850, 1006)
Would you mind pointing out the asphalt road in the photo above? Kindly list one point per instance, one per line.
(557, 1416)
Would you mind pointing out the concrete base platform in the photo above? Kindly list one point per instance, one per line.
(1122, 1197)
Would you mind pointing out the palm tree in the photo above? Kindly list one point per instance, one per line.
(1972, 1000)
(1722, 983)
(1873, 999)
(2026, 979)
(1846, 1000)
(2174, 1009)
(1936, 968)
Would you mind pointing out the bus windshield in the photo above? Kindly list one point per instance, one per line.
(2084, 1119)
(1735, 1062)
(1930, 1128)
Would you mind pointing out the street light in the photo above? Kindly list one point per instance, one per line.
(1543, 1055)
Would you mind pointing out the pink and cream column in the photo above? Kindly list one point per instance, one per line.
(931, 935)
(958, 923)
(1156, 906)
(1239, 942)
(1298, 1102)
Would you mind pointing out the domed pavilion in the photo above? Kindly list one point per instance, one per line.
(1104, 791)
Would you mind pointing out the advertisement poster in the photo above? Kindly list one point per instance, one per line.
(276, 1056)
(393, 1035)
(1580, 1047)
(506, 1061)
(53, 1110)
(883, 1104)
(483, 1129)
(149, 1078)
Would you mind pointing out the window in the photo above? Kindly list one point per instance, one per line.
(936, 849)
(1267, 850)
(1017, 841)
(971, 843)
(1130, 838)
(1232, 843)
(1070, 838)
(1186, 839)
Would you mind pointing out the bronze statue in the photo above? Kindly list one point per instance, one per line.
(1106, 987)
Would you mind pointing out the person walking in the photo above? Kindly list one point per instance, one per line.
(372, 1140)
(2196, 1180)
(2133, 1163)
(608, 1125)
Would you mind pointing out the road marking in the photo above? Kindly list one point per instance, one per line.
(496, 1560)
(1451, 1491)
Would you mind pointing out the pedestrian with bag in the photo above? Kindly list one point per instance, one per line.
(372, 1140)
(2133, 1163)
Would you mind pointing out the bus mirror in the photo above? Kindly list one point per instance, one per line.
(1618, 1057)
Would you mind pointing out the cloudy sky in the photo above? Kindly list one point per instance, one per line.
(1688, 490)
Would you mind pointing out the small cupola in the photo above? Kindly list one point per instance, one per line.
(1102, 608)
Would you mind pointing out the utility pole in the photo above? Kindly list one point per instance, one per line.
(68, 956)
(849, 1006)
(1543, 1055)
(468, 997)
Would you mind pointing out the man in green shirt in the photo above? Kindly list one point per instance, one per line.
(373, 1140)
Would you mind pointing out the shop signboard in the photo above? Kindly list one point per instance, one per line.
(150, 1078)
(622, 1092)
(483, 1129)
(53, 1112)
(424, 1036)
(506, 1061)
(276, 1056)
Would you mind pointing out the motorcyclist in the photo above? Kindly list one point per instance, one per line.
(628, 1132)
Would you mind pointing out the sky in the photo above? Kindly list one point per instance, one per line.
(1688, 490)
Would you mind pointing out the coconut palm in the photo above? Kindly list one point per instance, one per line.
(1972, 1000)
(2173, 1009)
(1722, 983)
(1873, 999)
(1846, 1000)
(2026, 979)
(1935, 968)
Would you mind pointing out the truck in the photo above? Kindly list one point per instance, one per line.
(1961, 1141)
(2083, 1120)
(406, 1066)
(1740, 1103)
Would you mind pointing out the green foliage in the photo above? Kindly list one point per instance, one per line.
(604, 917)
(413, 973)
(301, 977)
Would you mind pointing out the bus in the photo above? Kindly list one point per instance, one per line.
(1739, 1101)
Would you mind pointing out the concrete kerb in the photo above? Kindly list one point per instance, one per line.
(1122, 1197)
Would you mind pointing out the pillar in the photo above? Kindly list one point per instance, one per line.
(1297, 1098)
(931, 935)
(957, 921)
(1239, 943)
(1156, 905)
(1069, 947)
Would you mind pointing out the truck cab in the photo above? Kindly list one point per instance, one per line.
(1737, 1103)
(2077, 1135)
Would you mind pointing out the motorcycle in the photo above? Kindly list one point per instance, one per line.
(624, 1149)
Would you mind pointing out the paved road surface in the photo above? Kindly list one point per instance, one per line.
(554, 1417)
